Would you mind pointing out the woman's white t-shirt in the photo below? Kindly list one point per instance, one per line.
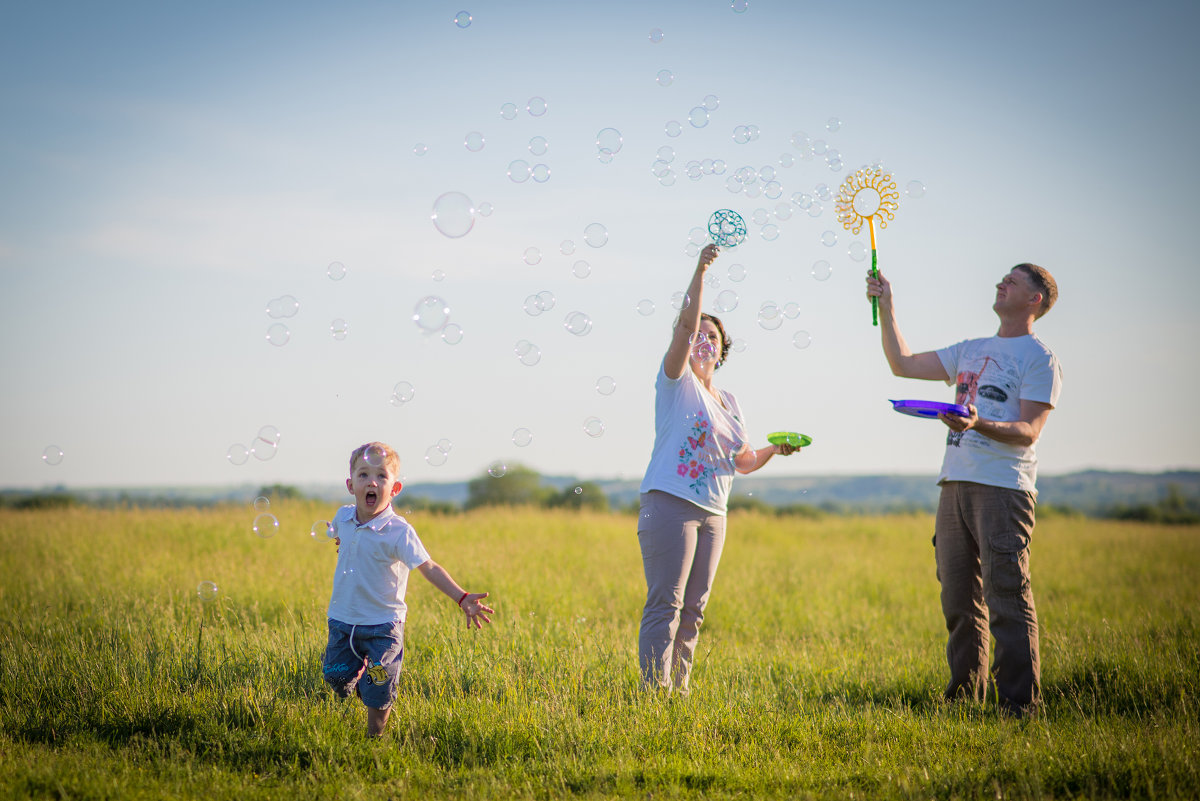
(695, 440)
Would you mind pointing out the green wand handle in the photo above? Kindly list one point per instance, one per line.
(874, 300)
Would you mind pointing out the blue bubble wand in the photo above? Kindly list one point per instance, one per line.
(864, 195)
(727, 228)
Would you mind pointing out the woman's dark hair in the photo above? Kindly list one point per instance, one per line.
(724, 337)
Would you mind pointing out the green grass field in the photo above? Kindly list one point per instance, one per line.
(818, 675)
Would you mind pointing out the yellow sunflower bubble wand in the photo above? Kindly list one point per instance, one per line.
(865, 195)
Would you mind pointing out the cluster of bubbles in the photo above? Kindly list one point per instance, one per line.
(540, 302)
(608, 144)
(263, 447)
(265, 524)
(282, 307)
(437, 453)
(431, 314)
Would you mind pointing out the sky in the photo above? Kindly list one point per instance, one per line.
(173, 175)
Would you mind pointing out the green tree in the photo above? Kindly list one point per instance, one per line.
(281, 492)
(518, 486)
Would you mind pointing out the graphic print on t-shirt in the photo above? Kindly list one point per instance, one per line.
(694, 461)
(970, 389)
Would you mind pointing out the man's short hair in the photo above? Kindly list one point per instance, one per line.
(1043, 282)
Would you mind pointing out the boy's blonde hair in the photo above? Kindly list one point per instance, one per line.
(390, 457)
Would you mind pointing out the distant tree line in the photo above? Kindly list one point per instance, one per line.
(519, 485)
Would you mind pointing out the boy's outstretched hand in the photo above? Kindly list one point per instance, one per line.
(474, 608)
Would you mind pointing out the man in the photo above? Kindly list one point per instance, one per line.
(1009, 382)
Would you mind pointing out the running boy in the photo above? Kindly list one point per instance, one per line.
(376, 550)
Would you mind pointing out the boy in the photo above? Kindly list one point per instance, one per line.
(376, 550)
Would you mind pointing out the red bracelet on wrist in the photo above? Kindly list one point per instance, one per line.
(463, 598)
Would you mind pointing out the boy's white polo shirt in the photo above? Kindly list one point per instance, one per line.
(374, 560)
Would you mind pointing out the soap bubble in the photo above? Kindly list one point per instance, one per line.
(462, 19)
(815, 209)
(484, 210)
(533, 305)
(738, 345)
(914, 189)
(497, 469)
(656, 35)
(711, 102)
(538, 145)
(237, 454)
(698, 117)
(829, 239)
(857, 250)
(261, 504)
(786, 160)
(819, 147)
(435, 456)
(522, 437)
(536, 107)
(645, 307)
(547, 299)
(680, 301)
(375, 456)
(772, 190)
(741, 135)
(265, 525)
(770, 232)
(266, 443)
(527, 353)
(532, 256)
(737, 273)
(540, 173)
(508, 111)
(801, 142)
(518, 171)
(52, 455)
(420, 148)
(207, 591)
(581, 269)
(727, 301)
(402, 393)
(338, 328)
(567, 247)
(473, 141)
(791, 310)
(452, 334)
(740, 6)
(593, 427)
(453, 214)
(673, 128)
(595, 235)
(579, 490)
(801, 339)
(278, 334)
(606, 385)
(336, 271)
(824, 192)
(609, 139)
(323, 531)
(665, 77)
(833, 124)
(821, 270)
(431, 314)
(578, 323)
(666, 154)
(769, 316)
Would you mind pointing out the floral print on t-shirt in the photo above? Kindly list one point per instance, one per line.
(694, 462)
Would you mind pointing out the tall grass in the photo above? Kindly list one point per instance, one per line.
(819, 669)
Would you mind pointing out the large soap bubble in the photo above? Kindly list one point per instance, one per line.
(453, 214)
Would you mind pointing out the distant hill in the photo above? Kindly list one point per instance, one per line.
(1093, 492)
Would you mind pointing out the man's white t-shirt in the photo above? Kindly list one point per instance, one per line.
(695, 439)
(374, 560)
(996, 374)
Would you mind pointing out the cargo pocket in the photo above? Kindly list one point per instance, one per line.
(1009, 546)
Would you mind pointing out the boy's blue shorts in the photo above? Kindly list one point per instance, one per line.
(366, 659)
